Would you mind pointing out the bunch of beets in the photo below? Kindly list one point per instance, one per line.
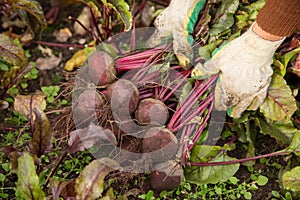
(153, 108)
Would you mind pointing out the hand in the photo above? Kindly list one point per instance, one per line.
(245, 72)
(178, 20)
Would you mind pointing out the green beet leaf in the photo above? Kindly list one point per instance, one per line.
(279, 104)
(90, 184)
(291, 180)
(109, 195)
(209, 174)
(281, 62)
(123, 10)
(295, 144)
(42, 138)
(281, 131)
(28, 181)
(224, 17)
(288, 57)
(253, 8)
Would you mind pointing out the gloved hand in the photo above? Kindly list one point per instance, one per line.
(245, 72)
(178, 20)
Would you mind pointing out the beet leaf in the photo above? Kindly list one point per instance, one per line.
(212, 174)
(282, 132)
(295, 144)
(291, 180)
(82, 139)
(42, 137)
(279, 104)
(24, 104)
(28, 182)
(90, 183)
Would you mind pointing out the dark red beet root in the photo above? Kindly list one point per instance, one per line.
(101, 68)
(87, 103)
(124, 98)
(123, 128)
(166, 176)
(151, 111)
(160, 143)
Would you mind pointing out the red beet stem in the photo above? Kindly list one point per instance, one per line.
(198, 111)
(201, 128)
(190, 101)
(163, 93)
(278, 153)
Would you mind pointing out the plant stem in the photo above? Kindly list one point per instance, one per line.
(64, 45)
(190, 100)
(201, 128)
(58, 162)
(83, 26)
(183, 79)
(278, 153)
(199, 111)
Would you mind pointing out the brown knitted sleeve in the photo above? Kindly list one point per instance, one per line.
(280, 17)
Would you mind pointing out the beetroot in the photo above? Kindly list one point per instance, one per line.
(151, 111)
(101, 68)
(122, 128)
(87, 104)
(160, 143)
(166, 176)
(124, 98)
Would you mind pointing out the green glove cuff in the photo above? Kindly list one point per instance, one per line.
(192, 19)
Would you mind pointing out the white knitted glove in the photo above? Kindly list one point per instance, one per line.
(178, 20)
(245, 72)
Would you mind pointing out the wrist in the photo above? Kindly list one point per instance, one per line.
(265, 35)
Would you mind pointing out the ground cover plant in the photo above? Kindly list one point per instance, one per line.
(89, 111)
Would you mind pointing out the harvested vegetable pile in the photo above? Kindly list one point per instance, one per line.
(145, 97)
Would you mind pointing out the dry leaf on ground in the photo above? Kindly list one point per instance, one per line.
(62, 35)
(85, 19)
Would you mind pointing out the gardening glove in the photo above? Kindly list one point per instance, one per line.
(178, 20)
(245, 72)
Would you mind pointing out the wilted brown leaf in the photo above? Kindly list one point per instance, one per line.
(25, 104)
(85, 19)
(147, 15)
(48, 62)
(11, 53)
(31, 13)
(8, 22)
(62, 35)
(3, 105)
